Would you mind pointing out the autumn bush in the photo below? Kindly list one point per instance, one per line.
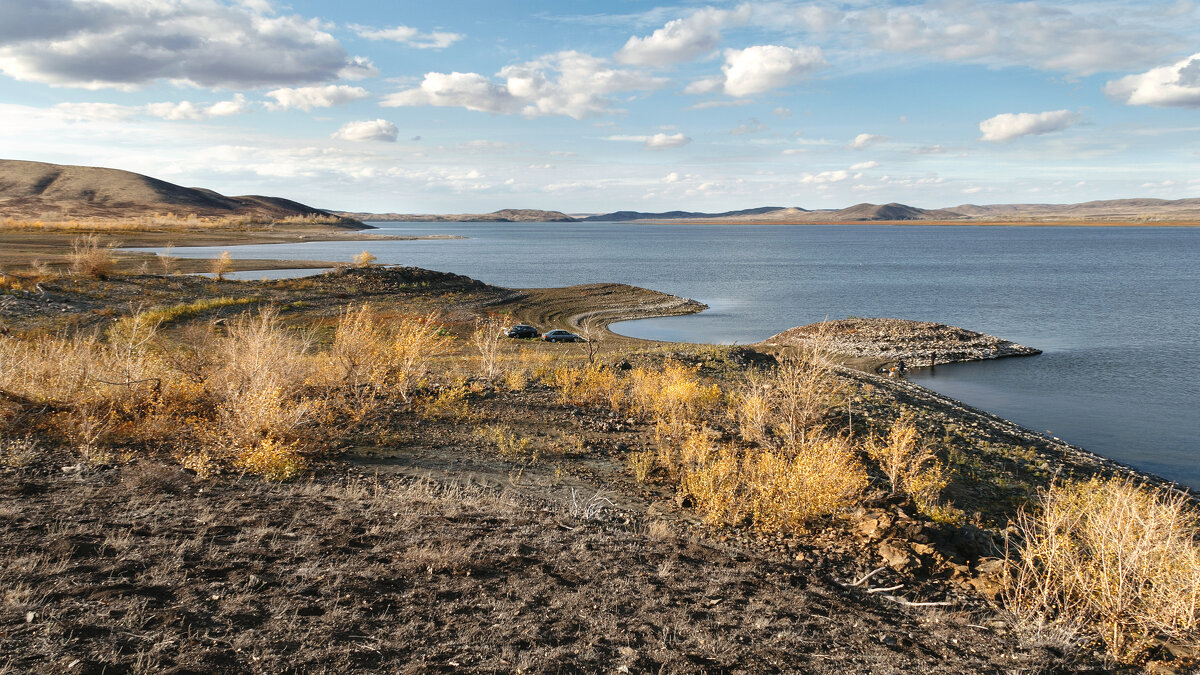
(88, 257)
(908, 461)
(774, 490)
(1109, 559)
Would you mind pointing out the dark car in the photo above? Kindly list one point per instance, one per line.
(522, 331)
(561, 336)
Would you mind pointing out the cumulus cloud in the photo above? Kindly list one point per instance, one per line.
(682, 39)
(863, 166)
(1009, 126)
(659, 141)
(862, 141)
(757, 69)
(367, 130)
(1176, 85)
(1081, 40)
(307, 98)
(95, 44)
(409, 36)
(567, 83)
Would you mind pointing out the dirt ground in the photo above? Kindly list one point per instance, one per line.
(420, 547)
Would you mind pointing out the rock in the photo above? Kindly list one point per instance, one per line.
(896, 555)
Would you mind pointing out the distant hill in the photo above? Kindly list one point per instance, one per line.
(501, 216)
(794, 214)
(38, 190)
(1109, 209)
(622, 216)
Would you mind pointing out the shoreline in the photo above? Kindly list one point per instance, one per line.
(592, 308)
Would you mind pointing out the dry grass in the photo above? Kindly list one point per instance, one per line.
(1110, 559)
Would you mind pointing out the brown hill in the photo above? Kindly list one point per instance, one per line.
(40, 190)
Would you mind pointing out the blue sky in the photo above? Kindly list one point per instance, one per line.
(588, 107)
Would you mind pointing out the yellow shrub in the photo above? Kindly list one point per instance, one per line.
(909, 463)
(642, 464)
(507, 442)
(1117, 560)
(816, 478)
(593, 384)
(777, 490)
(711, 476)
(450, 402)
(273, 460)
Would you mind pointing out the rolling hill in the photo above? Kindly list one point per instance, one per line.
(31, 190)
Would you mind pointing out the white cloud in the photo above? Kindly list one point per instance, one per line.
(567, 83)
(186, 110)
(863, 166)
(671, 178)
(409, 36)
(307, 98)
(1175, 85)
(367, 130)
(125, 44)
(1009, 126)
(682, 39)
(1081, 39)
(167, 110)
(754, 70)
(658, 141)
(863, 141)
(825, 177)
(782, 112)
(91, 112)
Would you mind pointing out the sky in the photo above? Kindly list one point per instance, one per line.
(586, 107)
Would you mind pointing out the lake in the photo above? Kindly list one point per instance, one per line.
(1115, 309)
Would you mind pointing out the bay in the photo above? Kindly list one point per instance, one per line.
(1115, 309)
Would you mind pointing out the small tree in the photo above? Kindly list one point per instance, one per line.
(222, 265)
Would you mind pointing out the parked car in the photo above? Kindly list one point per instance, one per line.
(561, 336)
(522, 330)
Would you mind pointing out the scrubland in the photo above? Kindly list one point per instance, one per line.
(356, 471)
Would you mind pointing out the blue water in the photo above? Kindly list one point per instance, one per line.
(1116, 310)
